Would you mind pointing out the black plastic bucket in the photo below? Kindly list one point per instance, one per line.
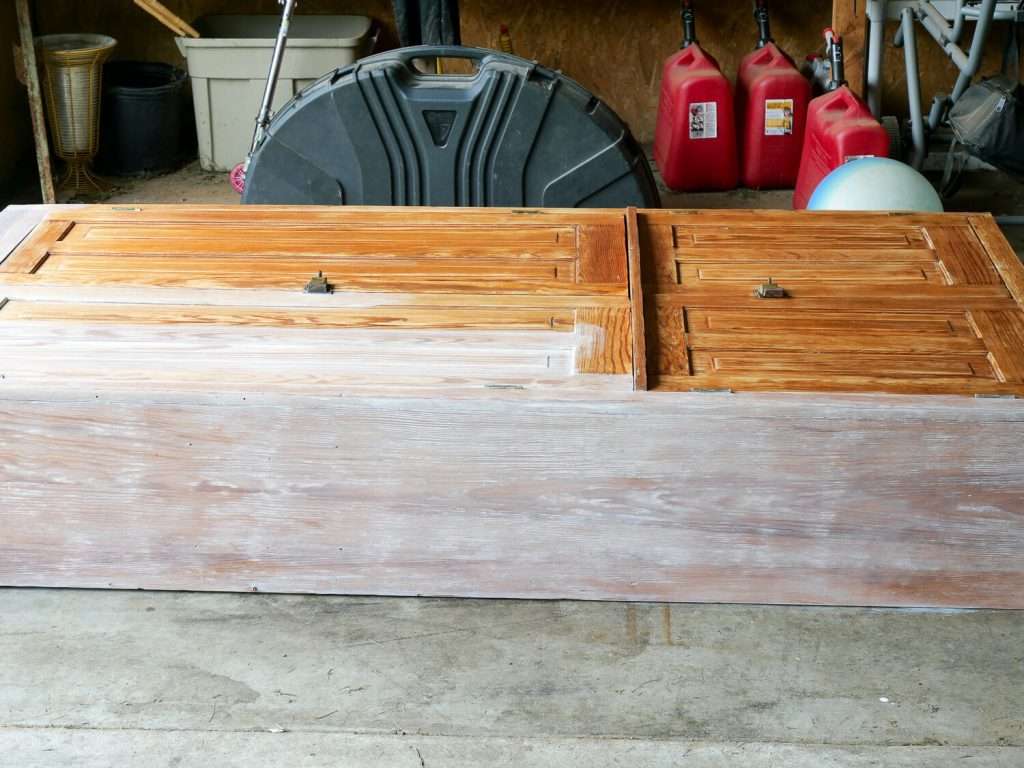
(144, 127)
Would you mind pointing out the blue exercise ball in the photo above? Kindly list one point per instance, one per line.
(875, 184)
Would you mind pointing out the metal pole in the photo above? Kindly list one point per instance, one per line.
(263, 120)
(913, 87)
(35, 102)
(876, 13)
(988, 9)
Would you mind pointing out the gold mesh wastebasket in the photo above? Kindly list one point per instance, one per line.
(72, 84)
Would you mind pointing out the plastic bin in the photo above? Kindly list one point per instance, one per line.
(144, 125)
(229, 63)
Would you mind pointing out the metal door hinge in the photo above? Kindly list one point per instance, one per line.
(712, 390)
(319, 284)
(994, 396)
(770, 290)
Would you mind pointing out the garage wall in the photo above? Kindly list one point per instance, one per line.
(613, 47)
(16, 151)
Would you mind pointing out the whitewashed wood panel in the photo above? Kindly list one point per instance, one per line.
(775, 499)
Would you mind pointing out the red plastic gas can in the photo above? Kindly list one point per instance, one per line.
(695, 138)
(840, 127)
(771, 111)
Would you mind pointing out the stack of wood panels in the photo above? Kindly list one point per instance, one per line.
(464, 412)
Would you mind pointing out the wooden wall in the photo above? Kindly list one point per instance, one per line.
(16, 152)
(613, 47)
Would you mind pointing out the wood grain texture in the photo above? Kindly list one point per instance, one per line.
(1004, 336)
(636, 302)
(963, 256)
(252, 247)
(778, 499)
(884, 303)
(606, 341)
(33, 250)
(450, 318)
(457, 418)
(439, 272)
(17, 221)
(1004, 258)
(849, 20)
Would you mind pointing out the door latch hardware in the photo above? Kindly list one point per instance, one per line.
(770, 290)
(319, 284)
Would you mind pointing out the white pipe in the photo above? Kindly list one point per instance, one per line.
(967, 72)
(913, 88)
(876, 12)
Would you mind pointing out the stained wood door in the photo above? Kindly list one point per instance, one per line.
(199, 297)
(869, 303)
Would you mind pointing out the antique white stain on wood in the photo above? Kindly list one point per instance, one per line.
(783, 499)
(477, 436)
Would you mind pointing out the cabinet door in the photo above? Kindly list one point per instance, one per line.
(356, 249)
(852, 302)
(213, 298)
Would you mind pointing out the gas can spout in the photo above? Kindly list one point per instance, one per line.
(763, 24)
(838, 70)
(689, 17)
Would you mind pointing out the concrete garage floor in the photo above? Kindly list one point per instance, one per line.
(92, 678)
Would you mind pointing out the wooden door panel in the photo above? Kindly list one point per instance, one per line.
(825, 364)
(920, 324)
(790, 341)
(943, 250)
(229, 349)
(294, 273)
(962, 256)
(872, 303)
(705, 271)
(810, 233)
(424, 297)
(1004, 335)
(441, 318)
(250, 247)
(321, 238)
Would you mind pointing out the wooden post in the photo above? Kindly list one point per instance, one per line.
(849, 21)
(35, 101)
